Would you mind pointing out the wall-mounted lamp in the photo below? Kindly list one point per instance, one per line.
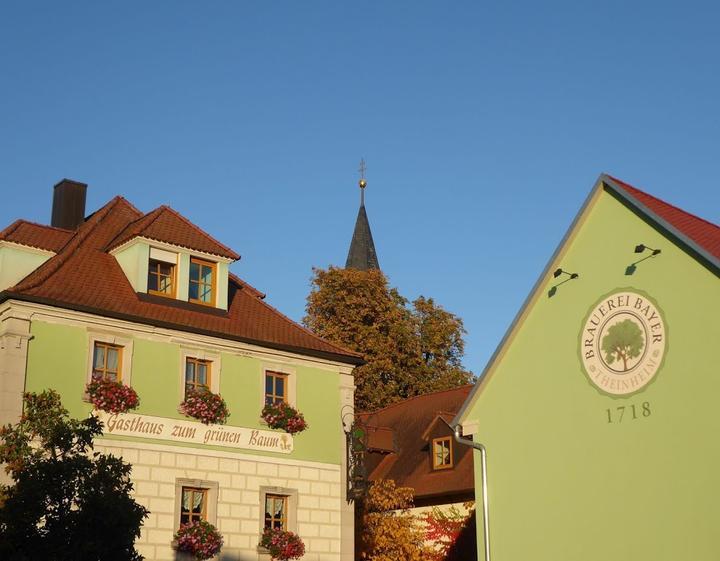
(556, 274)
(642, 247)
(559, 272)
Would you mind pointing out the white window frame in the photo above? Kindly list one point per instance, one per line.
(212, 498)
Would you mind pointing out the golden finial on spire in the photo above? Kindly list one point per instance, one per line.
(362, 182)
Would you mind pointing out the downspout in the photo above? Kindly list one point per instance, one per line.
(483, 464)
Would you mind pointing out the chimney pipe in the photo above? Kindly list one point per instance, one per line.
(68, 210)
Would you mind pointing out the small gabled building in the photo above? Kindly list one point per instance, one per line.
(147, 299)
(598, 411)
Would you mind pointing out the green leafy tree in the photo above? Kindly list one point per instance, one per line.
(66, 502)
(408, 349)
(623, 341)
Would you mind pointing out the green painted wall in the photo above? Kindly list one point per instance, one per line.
(16, 264)
(564, 483)
(134, 261)
(58, 359)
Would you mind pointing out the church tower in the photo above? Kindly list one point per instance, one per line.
(362, 254)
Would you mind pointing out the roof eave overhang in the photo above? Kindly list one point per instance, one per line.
(325, 355)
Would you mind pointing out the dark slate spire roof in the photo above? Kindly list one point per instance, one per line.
(362, 254)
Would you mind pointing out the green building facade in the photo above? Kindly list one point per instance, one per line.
(88, 298)
(598, 411)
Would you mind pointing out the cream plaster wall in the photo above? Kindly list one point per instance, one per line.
(239, 478)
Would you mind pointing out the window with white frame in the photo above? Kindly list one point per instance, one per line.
(109, 357)
(278, 508)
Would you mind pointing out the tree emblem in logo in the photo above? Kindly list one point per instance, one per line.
(623, 343)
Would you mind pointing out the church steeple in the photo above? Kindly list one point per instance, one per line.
(362, 254)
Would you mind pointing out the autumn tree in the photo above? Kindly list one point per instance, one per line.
(66, 503)
(624, 341)
(409, 349)
(389, 532)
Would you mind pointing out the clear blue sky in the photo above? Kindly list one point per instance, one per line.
(484, 125)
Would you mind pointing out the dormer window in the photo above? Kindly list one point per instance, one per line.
(442, 453)
(161, 278)
(202, 282)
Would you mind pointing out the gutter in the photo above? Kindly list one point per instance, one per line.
(483, 464)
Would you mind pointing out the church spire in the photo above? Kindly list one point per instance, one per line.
(362, 254)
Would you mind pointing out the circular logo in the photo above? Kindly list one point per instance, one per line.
(623, 342)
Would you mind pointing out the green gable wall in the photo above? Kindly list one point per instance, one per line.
(566, 485)
(58, 359)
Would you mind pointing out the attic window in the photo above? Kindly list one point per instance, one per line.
(202, 281)
(161, 272)
(442, 453)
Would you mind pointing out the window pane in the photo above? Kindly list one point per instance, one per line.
(189, 371)
(112, 359)
(280, 386)
(99, 357)
(194, 270)
(152, 282)
(268, 384)
(206, 274)
(193, 292)
(206, 293)
(165, 268)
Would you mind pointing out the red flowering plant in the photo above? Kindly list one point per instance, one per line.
(285, 417)
(111, 396)
(282, 544)
(205, 406)
(199, 538)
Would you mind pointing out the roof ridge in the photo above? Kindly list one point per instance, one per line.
(627, 185)
(52, 265)
(10, 229)
(411, 398)
(131, 224)
(200, 230)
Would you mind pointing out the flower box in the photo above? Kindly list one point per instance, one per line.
(283, 545)
(205, 406)
(285, 417)
(111, 396)
(199, 539)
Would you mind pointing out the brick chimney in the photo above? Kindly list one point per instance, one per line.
(68, 210)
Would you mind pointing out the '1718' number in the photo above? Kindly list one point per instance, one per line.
(628, 412)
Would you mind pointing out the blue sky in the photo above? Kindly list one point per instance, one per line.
(483, 124)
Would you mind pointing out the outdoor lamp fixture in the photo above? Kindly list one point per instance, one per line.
(642, 247)
(556, 274)
(559, 272)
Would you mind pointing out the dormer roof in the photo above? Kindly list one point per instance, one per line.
(169, 226)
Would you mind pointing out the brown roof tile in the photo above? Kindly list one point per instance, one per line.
(36, 235)
(410, 464)
(85, 277)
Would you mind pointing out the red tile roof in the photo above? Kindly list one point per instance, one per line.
(84, 276)
(409, 465)
(702, 232)
(36, 235)
(166, 225)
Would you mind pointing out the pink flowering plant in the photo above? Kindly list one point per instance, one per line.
(283, 416)
(111, 396)
(282, 544)
(205, 406)
(199, 538)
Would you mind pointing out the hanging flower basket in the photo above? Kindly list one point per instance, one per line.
(282, 544)
(111, 396)
(283, 416)
(205, 406)
(200, 539)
